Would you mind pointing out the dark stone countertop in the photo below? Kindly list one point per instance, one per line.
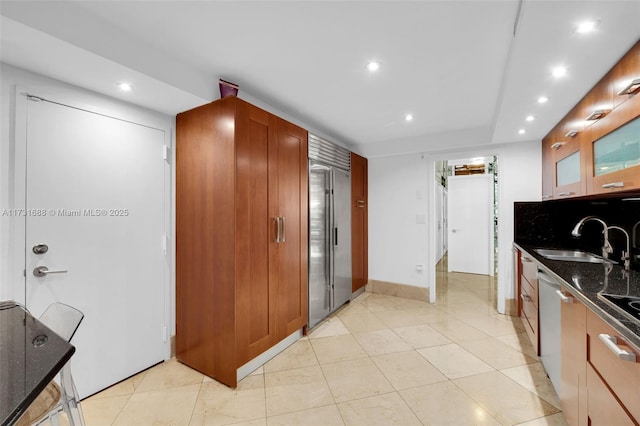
(586, 280)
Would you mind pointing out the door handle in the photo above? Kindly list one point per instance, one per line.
(43, 271)
(278, 229)
(454, 231)
(284, 229)
(335, 236)
(40, 248)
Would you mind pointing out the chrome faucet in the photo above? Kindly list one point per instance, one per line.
(626, 255)
(606, 247)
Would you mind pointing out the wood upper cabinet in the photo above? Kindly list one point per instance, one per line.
(241, 232)
(359, 222)
(604, 155)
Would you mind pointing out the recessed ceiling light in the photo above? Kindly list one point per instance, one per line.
(125, 87)
(543, 99)
(586, 27)
(521, 132)
(559, 71)
(530, 118)
(373, 66)
(408, 117)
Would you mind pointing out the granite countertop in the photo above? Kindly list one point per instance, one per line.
(586, 280)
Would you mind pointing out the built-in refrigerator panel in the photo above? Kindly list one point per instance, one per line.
(319, 242)
(341, 238)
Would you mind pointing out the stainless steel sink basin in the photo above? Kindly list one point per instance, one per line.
(571, 256)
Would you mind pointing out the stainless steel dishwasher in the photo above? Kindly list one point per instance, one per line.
(549, 307)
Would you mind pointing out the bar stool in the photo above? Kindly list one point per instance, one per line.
(63, 396)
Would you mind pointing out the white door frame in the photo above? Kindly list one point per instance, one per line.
(503, 279)
(17, 199)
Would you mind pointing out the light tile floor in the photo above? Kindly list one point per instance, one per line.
(381, 360)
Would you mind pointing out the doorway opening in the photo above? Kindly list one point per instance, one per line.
(466, 223)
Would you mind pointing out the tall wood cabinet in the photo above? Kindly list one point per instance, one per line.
(241, 244)
(359, 222)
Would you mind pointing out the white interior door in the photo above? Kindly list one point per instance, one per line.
(439, 222)
(470, 234)
(95, 196)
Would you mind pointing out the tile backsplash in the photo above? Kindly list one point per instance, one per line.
(550, 223)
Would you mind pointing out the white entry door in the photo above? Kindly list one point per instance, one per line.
(95, 197)
(470, 233)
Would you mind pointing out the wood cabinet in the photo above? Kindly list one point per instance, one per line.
(571, 163)
(614, 383)
(573, 360)
(359, 222)
(529, 299)
(241, 235)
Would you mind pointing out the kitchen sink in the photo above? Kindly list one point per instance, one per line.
(572, 256)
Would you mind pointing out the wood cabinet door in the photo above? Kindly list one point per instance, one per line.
(359, 222)
(255, 268)
(573, 352)
(291, 203)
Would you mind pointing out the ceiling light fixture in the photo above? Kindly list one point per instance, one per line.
(598, 114)
(373, 66)
(571, 133)
(559, 72)
(521, 132)
(630, 88)
(586, 27)
(530, 118)
(125, 87)
(408, 117)
(543, 99)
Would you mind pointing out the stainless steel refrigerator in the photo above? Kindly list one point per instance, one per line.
(329, 239)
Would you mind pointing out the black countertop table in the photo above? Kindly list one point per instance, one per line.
(585, 280)
(30, 357)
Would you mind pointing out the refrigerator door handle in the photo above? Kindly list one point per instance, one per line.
(335, 236)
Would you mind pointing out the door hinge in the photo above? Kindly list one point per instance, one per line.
(166, 154)
(34, 98)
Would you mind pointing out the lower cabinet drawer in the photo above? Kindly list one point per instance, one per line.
(622, 377)
(603, 408)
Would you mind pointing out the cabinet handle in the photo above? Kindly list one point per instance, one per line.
(525, 297)
(613, 185)
(547, 197)
(278, 229)
(558, 145)
(563, 297)
(525, 259)
(566, 194)
(611, 342)
(284, 229)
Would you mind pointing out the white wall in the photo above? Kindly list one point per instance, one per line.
(397, 196)
(12, 173)
(397, 244)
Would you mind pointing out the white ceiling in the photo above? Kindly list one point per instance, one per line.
(455, 65)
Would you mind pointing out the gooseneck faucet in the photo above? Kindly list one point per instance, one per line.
(626, 255)
(606, 247)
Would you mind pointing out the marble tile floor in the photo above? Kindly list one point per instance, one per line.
(381, 360)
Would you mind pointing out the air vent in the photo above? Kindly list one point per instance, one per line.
(329, 153)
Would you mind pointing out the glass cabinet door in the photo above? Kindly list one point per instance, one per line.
(568, 170)
(618, 150)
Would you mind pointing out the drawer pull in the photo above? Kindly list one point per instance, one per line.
(563, 297)
(613, 185)
(525, 297)
(525, 259)
(566, 194)
(547, 197)
(611, 342)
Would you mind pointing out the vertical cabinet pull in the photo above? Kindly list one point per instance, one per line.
(278, 229)
(611, 342)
